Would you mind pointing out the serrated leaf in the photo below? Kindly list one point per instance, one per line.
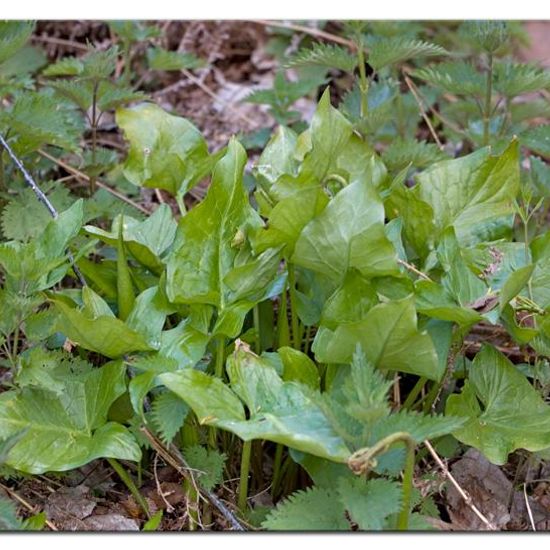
(513, 79)
(168, 413)
(160, 59)
(25, 217)
(314, 509)
(390, 51)
(324, 55)
(13, 36)
(402, 153)
(36, 119)
(505, 412)
(67, 66)
(370, 503)
(166, 151)
(537, 139)
(208, 465)
(68, 430)
(456, 77)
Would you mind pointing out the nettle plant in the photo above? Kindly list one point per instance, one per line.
(284, 316)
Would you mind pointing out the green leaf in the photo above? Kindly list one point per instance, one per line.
(25, 217)
(290, 215)
(370, 503)
(298, 367)
(505, 412)
(474, 194)
(537, 139)
(390, 51)
(329, 135)
(350, 302)
(153, 523)
(13, 36)
(166, 151)
(283, 412)
(514, 284)
(435, 301)
(8, 512)
(402, 153)
(103, 334)
(160, 59)
(313, 509)
(168, 414)
(208, 465)
(324, 55)
(455, 77)
(349, 233)
(68, 430)
(389, 337)
(146, 240)
(513, 79)
(36, 120)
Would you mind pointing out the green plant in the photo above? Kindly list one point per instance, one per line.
(325, 314)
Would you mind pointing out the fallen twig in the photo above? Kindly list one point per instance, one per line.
(308, 30)
(28, 506)
(84, 176)
(413, 269)
(173, 457)
(467, 498)
(41, 197)
(414, 92)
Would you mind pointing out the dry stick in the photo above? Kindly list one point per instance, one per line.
(436, 113)
(174, 458)
(411, 87)
(413, 269)
(467, 498)
(84, 176)
(28, 506)
(531, 519)
(42, 198)
(60, 42)
(308, 30)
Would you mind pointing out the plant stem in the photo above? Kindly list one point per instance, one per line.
(129, 482)
(181, 204)
(363, 460)
(413, 394)
(277, 461)
(243, 483)
(94, 137)
(218, 372)
(294, 320)
(189, 437)
(363, 80)
(403, 519)
(283, 333)
(2, 175)
(257, 336)
(488, 96)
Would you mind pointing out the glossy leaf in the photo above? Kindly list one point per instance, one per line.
(389, 337)
(349, 233)
(67, 430)
(279, 411)
(166, 151)
(474, 193)
(505, 412)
